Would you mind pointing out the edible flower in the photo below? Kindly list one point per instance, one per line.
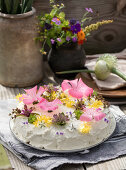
(26, 112)
(49, 106)
(18, 97)
(76, 88)
(85, 127)
(81, 36)
(60, 119)
(33, 96)
(96, 104)
(90, 114)
(43, 121)
(66, 100)
(89, 10)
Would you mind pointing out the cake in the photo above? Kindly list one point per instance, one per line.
(67, 117)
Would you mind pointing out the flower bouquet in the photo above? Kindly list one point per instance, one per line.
(56, 31)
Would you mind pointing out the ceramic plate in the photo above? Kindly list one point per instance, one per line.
(110, 130)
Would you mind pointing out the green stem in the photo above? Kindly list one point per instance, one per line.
(75, 71)
(119, 73)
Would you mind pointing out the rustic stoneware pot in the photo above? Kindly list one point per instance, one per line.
(67, 57)
(20, 59)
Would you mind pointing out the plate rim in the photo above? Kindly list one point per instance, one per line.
(65, 151)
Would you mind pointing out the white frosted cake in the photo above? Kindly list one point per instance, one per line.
(67, 117)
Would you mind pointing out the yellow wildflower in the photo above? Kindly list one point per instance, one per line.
(36, 123)
(46, 120)
(93, 27)
(18, 97)
(85, 127)
(96, 104)
(54, 95)
(66, 100)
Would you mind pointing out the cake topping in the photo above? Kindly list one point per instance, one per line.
(53, 105)
(60, 119)
(32, 96)
(76, 88)
(45, 105)
(90, 114)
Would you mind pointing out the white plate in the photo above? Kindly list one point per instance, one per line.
(110, 130)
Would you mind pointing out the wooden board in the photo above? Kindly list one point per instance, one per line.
(119, 93)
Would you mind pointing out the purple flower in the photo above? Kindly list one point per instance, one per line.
(58, 22)
(68, 38)
(26, 112)
(98, 109)
(74, 39)
(72, 21)
(52, 41)
(106, 120)
(75, 28)
(89, 10)
(70, 113)
(48, 26)
(59, 39)
(25, 123)
(60, 119)
(54, 19)
(57, 133)
(61, 133)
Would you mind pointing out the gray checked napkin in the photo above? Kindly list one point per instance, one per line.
(40, 160)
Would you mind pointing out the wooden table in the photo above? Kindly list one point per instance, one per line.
(116, 164)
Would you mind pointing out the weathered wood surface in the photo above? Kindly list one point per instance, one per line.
(108, 38)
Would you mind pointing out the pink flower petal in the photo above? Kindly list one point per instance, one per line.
(84, 89)
(90, 113)
(40, 91)
(99, 116)
(75, 93)
(27, 99)
(86, 117)
(32, 91)
(67, 84)
(76, 88)
(49, 105)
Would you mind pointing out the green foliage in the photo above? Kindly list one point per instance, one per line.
(95, 93)
(32, 118)
(54, 28)
(78, 113)
(15, 6)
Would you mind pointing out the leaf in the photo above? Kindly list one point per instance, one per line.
(78, 113)
(62, 14)
(48, 42)
(53, 12)
(26, 5)
(15, 7)
(3, 6)
(8, 4)
(32, 118)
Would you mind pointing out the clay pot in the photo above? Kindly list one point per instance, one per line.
(67, 57)
(20, 59)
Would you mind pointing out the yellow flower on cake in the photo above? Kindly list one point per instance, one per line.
(66, 100)
(85, 127)
(46, 120)
(19, 97)
(96, 104)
